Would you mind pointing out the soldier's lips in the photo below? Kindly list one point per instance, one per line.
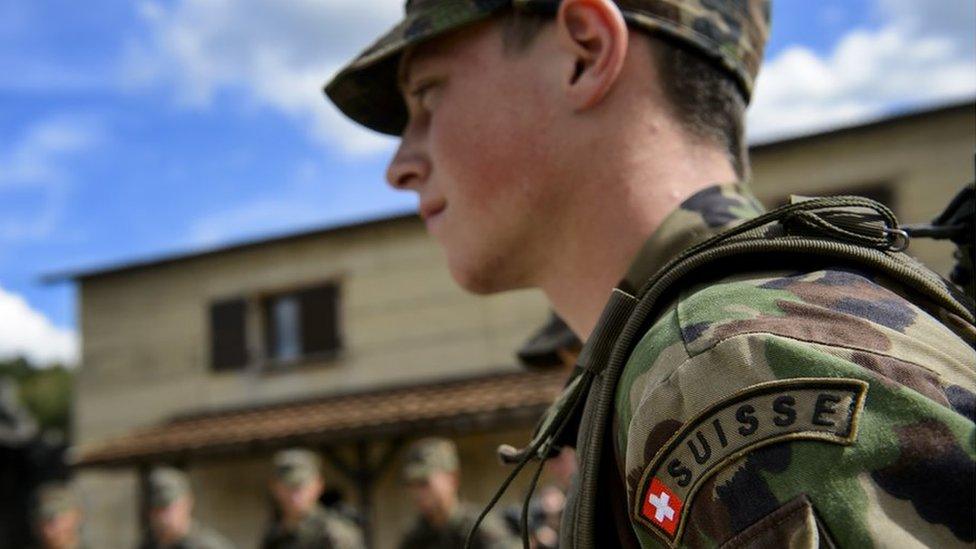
(431, 211)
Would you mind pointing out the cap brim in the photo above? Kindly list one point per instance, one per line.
(417, 473)
(296, 479)
(366, 90)
(164, 500)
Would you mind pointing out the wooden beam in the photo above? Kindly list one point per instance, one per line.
(362, 475)
(143, 497)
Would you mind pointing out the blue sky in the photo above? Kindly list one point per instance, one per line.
(131, 129)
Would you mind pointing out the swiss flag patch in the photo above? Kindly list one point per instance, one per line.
(661, 507)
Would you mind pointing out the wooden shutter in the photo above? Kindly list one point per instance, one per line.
(320, 319)
(268, 325)
(228, 341)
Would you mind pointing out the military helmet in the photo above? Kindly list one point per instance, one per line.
(166, 486)
(53, 499)
(730, 32)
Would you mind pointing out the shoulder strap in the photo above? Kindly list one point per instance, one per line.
(850, 230)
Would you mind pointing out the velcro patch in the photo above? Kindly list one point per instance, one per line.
(823, 409)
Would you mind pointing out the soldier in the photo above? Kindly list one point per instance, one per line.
(430, 471)
(584, 147)
(58, 517)
(302, 522)
(171, 523)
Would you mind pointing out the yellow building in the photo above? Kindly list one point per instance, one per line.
(353, 340)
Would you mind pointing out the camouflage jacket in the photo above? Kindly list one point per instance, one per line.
(321, 529)
(199, 537)
(790, 408)
(492, 534)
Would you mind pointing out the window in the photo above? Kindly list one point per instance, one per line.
(284, 339)
(275, 329)
(228, 349)
(302, 324)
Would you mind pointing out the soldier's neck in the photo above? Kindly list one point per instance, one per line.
(291, 521)
(439, 517)
(611, 217)
(175, 534)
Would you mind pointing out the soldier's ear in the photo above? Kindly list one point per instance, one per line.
(594, 33)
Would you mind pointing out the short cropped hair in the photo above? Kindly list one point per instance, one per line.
(704, 98)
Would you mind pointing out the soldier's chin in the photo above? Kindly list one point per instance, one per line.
(481, 279)
(474, 282)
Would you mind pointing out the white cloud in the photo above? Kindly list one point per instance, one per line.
(920, 55)
(278, 54)
(26, 332)
(34, 177)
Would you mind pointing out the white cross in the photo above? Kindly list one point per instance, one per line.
(661, 508)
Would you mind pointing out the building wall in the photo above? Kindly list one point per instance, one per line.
(146, 342)
(925, 160)
(146, 333)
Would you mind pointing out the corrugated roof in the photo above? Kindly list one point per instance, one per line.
(486, 402)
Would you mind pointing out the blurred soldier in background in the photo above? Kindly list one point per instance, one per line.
(171, 524)
(546, 507)
(430, 472)
(58, 516)
(301, 521)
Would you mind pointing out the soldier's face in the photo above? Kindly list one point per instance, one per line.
(436, 494)
(297, 500)
(477, 151)
(173, 521)
(60, 531)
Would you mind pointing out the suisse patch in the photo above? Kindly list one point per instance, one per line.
(822, 409)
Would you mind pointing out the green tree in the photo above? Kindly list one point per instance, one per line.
(46, 392)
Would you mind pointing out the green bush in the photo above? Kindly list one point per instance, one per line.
(46, 392)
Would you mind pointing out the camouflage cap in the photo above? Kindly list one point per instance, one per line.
(731, 32)
(53, 499)
(296, 466)
(427, 456)
(166, 486)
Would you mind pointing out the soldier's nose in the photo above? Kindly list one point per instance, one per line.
(407, 170)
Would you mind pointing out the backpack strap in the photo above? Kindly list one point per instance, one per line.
(847, 230)
(956, 223)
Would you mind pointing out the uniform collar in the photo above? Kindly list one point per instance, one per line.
(457, 517)
(701, 216)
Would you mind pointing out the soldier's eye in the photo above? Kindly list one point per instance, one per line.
(423, 93)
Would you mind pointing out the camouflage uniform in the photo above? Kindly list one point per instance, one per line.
(321, 527)
(491, 534)
(199, 537)
(800, 407)
(424, 458)
(166, 487)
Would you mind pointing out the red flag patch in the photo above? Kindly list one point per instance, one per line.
(661, 507)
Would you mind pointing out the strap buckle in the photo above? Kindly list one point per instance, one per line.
(898, 239)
